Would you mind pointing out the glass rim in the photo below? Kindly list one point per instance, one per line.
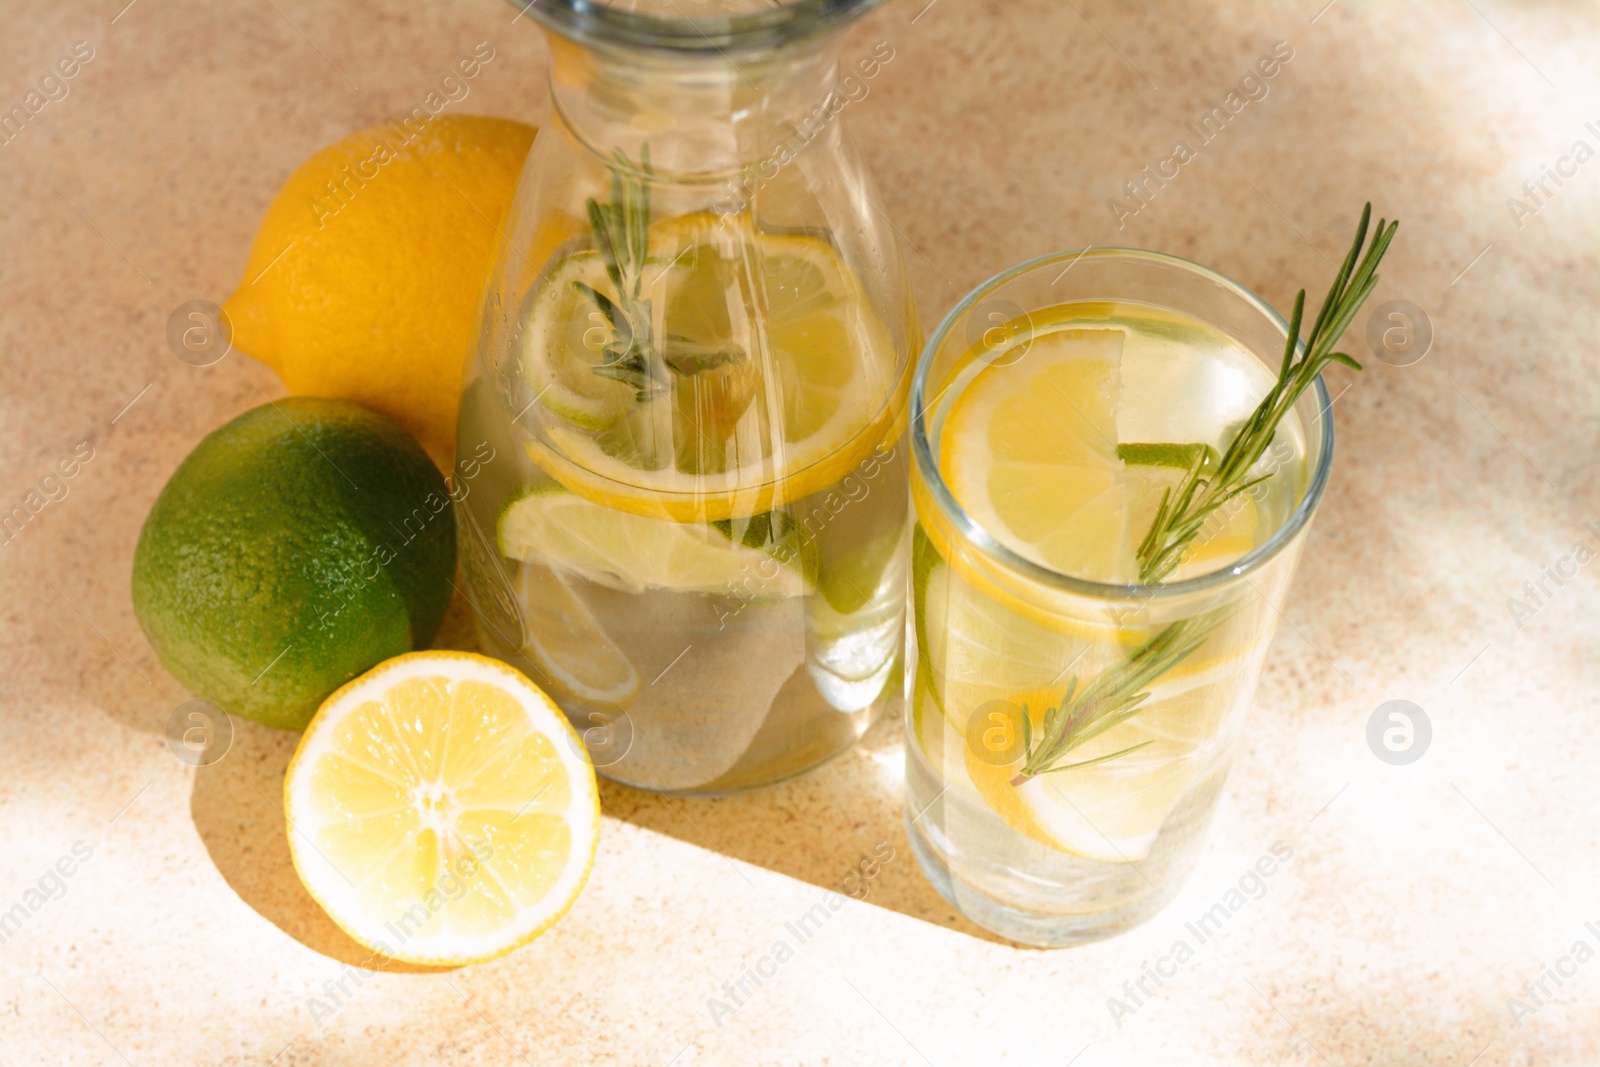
(973, 531)
(592, 22)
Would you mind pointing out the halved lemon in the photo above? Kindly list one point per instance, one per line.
(797, 382)
(441, 810)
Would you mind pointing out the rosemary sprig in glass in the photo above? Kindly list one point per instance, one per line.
(621, 234)
(1112, 697)
(1119, 691)
(1206, 487)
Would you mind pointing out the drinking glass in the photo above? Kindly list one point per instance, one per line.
(1073, 855)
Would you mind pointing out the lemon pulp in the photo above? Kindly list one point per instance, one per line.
(441, 810)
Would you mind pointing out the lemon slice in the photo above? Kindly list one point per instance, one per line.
(1029, 450)
(622, 550)
(563, 341)
(441, 810)
(814, 386)
(568, 645)
(978, 651)
(1112, 811)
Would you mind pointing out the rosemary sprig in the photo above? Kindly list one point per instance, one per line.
(1119, 691)
(1205, 488)
(1112, 697)
(621, 234)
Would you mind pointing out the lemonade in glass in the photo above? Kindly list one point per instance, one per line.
(1089, 629)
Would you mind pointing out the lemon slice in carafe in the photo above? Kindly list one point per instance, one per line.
(772, 374)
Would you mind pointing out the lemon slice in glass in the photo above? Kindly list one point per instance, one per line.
(805, 383)
(441, 810)
(1029, 450)
(1112, 811)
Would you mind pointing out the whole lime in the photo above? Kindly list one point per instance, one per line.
(296, 547)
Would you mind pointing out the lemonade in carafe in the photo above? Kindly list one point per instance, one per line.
(688, 516)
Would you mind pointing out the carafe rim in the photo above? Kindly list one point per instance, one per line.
(599, 25)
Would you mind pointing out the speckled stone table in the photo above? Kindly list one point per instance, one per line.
(1444, 912)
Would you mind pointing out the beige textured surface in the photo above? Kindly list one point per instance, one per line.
(1419, 898)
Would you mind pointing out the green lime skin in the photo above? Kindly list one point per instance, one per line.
(296, 547)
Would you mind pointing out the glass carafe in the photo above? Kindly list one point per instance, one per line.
(681, 470)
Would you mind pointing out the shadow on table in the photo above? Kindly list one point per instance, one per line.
(237, 806)
(826, 827)
(823, 828)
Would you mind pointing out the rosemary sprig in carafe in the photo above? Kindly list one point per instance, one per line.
(621, 234)
(1119, 691)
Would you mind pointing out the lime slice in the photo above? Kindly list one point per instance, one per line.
(563, 342)
(570, 534)
(1167, 455)
(441, 810)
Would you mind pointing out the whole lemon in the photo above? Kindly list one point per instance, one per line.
(364, 279)
(296, 547)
